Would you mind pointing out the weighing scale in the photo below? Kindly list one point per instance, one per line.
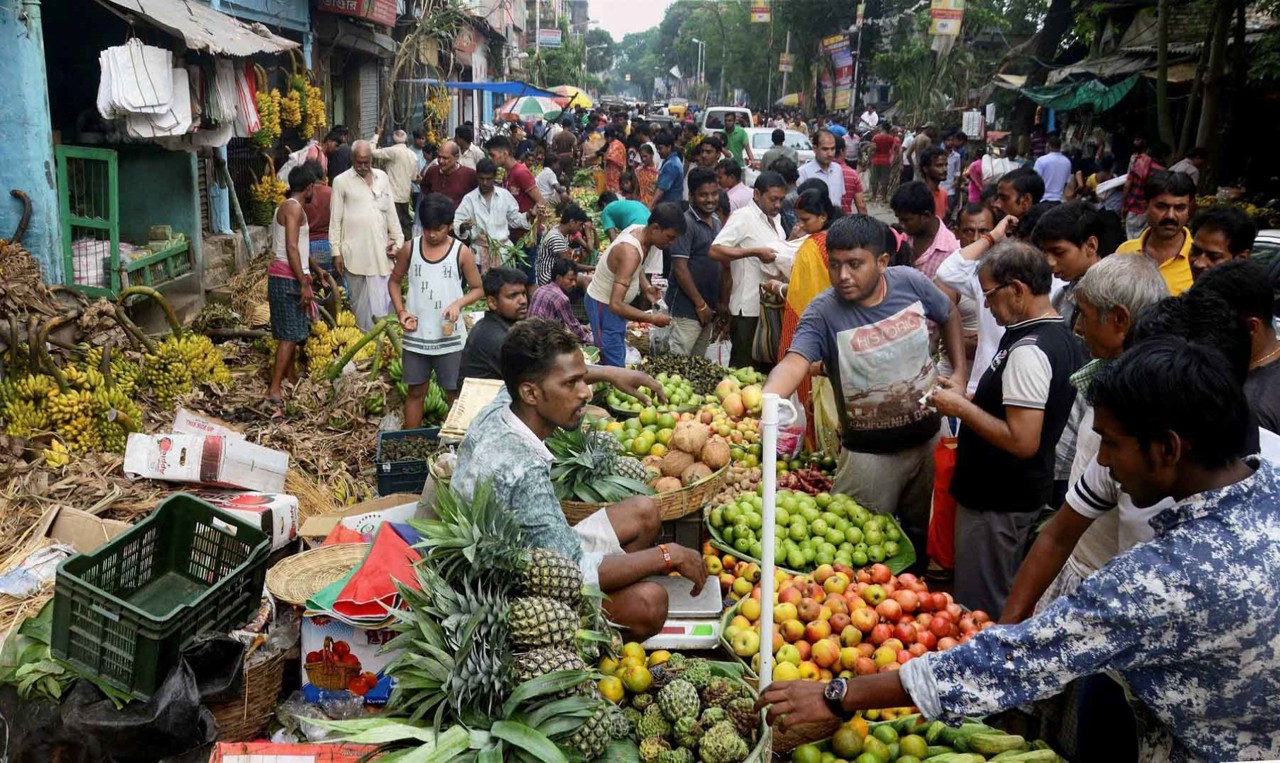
(692, 623)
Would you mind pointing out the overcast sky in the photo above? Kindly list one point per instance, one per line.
(622, 17)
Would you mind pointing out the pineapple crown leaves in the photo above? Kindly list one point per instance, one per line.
(582, 470)
(477, 536)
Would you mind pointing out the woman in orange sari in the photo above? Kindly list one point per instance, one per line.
(646, 175)
(615, 161)
(809, 278)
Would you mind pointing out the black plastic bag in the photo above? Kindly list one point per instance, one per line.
(218, 664)
(172, 723)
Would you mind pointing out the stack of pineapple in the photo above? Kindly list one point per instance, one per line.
(590, 467)
(496, 639)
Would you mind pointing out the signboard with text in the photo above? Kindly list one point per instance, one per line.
(785, 63)
(835, 44)
(945, 17)
(760, 11)
(550, 38)
(381, 12)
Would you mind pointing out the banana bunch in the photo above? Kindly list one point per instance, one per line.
(327, 344)
(266, 193)
(56, 454)
(375, 404)
(116, 416)
(291, 109)
(313, 116)
(181, 363)
(348, 491)
(73, 415)
(395, 369)
(23, 404)
(268, 103)
(124, 373)
(87, 378)
(435, 408)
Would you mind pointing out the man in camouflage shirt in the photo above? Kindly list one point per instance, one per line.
(1189, 621)
(548, 386)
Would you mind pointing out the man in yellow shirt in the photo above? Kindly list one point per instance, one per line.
(1166, 241)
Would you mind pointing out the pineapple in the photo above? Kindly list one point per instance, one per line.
(631, 469)
(537, 621)
(585, 468)
(592, 737)
(539, 662)
(553, 575)
(480, 539)
(678, 699)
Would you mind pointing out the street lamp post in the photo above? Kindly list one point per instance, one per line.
(702, 51)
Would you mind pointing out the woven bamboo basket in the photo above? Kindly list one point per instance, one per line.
(244, 719)
(672, 505)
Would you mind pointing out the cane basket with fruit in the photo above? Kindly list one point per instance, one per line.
(332, 668)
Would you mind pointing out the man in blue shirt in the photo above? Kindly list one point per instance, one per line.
(617, 214)
(1186, 620)
(1055, 168)
(672, 171)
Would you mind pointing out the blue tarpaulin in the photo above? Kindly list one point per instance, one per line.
(502, 88)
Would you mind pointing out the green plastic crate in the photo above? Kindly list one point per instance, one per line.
(125, 612)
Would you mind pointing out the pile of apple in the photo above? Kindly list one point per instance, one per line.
(737, 577)
(841, 622)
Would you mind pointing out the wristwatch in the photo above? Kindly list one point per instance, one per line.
(834, 694)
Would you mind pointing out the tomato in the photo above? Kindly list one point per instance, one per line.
(313, 657)
(358, 686)
(341, 648)
(348, 659)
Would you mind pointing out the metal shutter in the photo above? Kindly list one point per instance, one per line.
(369, 94)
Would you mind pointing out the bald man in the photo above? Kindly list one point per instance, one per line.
(364, 234)
(448, 176)
(401, 165)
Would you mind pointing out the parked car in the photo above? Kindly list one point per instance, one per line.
(712, 119)
(762, 140)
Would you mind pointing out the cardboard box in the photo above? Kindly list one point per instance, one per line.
(213, 460)
(186, 422)
(81, 530)
(364, 518)
(331, 675)
(273, 513)
(282, 752)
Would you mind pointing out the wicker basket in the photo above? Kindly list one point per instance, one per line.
(244, 719)
(331, 675)
(672, 505)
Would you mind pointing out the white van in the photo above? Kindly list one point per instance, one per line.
(713, 118)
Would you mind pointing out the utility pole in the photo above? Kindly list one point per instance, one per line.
(537, 42)
(784, 71)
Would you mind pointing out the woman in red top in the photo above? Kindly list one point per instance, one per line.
(615, 161)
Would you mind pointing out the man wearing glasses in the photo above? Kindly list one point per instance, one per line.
(1003, 481)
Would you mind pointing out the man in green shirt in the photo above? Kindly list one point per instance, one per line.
(735, 140)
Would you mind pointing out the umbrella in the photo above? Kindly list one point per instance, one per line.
(790, 99)
(529, 106)
(573, 96)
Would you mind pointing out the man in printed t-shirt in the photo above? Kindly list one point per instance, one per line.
(869, 332)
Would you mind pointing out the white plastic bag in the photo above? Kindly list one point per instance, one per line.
(791, 428)
(719, 351)
(296, 159)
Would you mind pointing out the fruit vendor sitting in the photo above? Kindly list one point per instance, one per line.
(548, 386)
(1187, 620)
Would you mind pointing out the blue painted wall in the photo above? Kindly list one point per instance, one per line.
(159, 187)
(26, 145)
(289, 14)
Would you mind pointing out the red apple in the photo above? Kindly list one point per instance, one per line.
(826, 653)
(808, 610)
(823, 572)
(904, 655)
(946, 643)
(889, 609)
(792, 631)
(864, 619)
(908, 599)
(880, 634)
(864, 666)
(836, 603)
(789, 595)
(805, 649)
(817, 630)
(866, 649)
(905, 633)
(927, 640)
(863, 576)
(880, 573)
(839, 621)
(917, 649)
